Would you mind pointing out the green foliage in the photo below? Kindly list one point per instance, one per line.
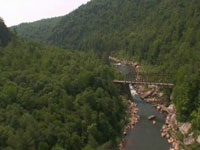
(164, 34)
(53, 99)
(5, 34)
(37, 31)
(186, 92)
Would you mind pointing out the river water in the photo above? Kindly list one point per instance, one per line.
(145, 135)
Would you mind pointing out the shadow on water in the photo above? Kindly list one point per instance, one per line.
(145, 135)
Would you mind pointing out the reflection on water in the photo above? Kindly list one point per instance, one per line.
(145, 135)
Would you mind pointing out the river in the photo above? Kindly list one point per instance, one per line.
(145, 135)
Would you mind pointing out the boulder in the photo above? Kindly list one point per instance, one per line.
(189, 141)
(151, 117)
(198, 139)
(164, 109)
(163, 134)
(158, 107)
(154, 122)
(170, 140)
(135, 64)
(160, 94)
(167, 136)
(172, 121)
(147, 94)
(167, 120)
(185, 128)
(137, 67)
(150, 99)
(171, 108)
(164, 127)
(176, 146)
(125, 133)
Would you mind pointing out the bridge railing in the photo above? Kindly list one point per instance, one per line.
(143, 83)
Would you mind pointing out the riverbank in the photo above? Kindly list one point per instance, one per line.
(133, 120)
(132, 108)
(153, 95)
(178, 134)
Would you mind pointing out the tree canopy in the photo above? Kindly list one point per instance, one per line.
(54, 99)
(164, 34)
(5, 36)
(161, 34)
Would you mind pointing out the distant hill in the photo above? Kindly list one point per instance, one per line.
(150, 29)
(38, 31)
(96, 25)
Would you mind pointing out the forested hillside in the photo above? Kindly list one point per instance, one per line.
(5, 35)
(162, 33)
(55, 99)
(38, 31)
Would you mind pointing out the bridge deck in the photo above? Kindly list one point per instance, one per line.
(144, 83)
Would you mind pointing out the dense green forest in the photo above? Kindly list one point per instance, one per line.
(38, 31)
(164, 34)
(5, 35)
(56, 99)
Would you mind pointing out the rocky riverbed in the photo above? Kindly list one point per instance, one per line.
(152, 94)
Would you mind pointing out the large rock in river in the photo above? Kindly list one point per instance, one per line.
(151, 117)
(147, 94)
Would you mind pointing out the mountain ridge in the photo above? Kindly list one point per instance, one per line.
(160, 33)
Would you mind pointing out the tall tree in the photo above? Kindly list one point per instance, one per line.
(5, 35)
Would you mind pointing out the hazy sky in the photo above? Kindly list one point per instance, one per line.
(17, 11)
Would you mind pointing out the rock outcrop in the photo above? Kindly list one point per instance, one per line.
(189, 141)
(171, 109)
(185, 128)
